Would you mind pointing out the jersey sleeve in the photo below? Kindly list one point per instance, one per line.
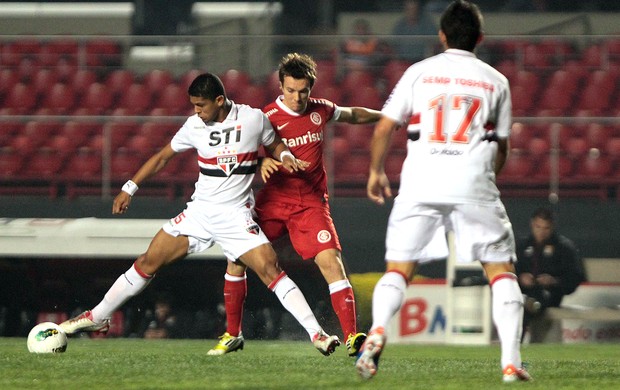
(504, 112)
(182, 140)
(268, 135)
(399, 105)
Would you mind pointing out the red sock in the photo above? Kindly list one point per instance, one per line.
(343, 302)
(235, 291)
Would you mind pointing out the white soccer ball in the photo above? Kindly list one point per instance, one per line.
(47, 337)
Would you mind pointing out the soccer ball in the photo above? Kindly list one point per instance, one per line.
(47, 337)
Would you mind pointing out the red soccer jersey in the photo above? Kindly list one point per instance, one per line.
(303, 134)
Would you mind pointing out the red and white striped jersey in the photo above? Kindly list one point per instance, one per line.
(227, 153)
(452, 104)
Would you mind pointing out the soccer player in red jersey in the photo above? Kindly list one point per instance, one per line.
(297, 204)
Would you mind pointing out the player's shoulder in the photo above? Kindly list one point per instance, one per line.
(271, 109)
(316, 104)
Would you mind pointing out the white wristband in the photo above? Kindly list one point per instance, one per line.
(130, 187)
(286, 153)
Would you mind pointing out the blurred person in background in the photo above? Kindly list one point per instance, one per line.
(415, 21)
(549, 267)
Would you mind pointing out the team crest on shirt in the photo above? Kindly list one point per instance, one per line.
(227, 163)
(324, 236)
(253, 229)
(315, 117)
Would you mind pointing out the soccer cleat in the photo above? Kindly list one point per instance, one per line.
(325, 343)
(227, 343)
(368, 358)
(354, 343)
(84, 323)
(513, 374)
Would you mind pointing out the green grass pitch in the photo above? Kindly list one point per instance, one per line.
(184, 364)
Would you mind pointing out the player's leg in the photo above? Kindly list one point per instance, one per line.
(263, 261)
(342, 297)
(387, 299)
(235, 292)
(507, 311)
(163, 250)
(415, 231)
(492, 241)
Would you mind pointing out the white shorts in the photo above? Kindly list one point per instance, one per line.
(234, 229)
(417, 232)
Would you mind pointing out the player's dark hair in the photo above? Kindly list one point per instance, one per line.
(207, 86)
(461, 22)
(543, 213)
(297, 66)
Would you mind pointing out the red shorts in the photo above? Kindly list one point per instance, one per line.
(310, 228)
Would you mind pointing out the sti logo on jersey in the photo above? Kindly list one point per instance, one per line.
(227, 163)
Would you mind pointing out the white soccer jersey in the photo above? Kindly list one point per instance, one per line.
(451, 103)
(227, 153)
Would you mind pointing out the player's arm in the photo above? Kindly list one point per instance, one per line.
(502, 154)
(282, 153)
(153, 165)
(378, 184)
(358, 115)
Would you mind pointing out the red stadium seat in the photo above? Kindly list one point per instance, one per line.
(96, 100)
(119, 132)
(518, 166)
(60, 99)
(8, 79)
(234, 81)
(14, 52)
(103, 52)
(84, 164)
(79, 132)
(593, 167)
(544, 168)
(520, 136)
(10, 162)
(82, 79)
(136, 99)
(174, 99)
(125, 163)
(539, 146)
(522, 100)
(185, 80)
(157, 80)
(252, 95)
(43, 163)
(355, 80)
(8, 130)
(20, 100)
(159, 134)
(140, 144)
(330, 92)
(53, 51)
(597, 135)
(118, 81)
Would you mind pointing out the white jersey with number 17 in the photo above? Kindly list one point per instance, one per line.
(453, 106)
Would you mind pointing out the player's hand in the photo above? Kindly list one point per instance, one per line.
(268, 166)
(526, 279)
(121, 203)
(378, 187)
(293, 164)
(546, 280)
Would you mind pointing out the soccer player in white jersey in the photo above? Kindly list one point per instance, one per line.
(227, 137)
(457, 114)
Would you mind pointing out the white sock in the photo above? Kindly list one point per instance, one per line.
(294, 301)
(507, 305)
(387, 298)
(126, 286)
